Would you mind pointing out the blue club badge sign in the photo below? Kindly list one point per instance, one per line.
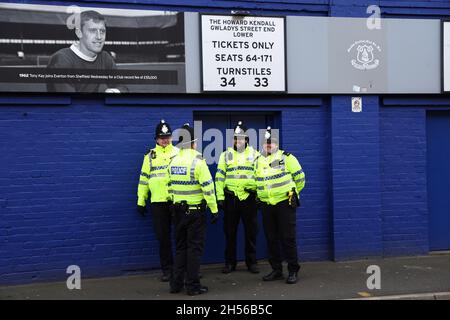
(365, 54)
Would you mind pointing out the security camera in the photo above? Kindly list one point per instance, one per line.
(240, 12)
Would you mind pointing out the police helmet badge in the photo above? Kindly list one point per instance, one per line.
(267, 135)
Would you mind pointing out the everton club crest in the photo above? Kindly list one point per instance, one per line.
(364, 53)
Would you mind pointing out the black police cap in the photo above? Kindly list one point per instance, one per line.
(163, 130)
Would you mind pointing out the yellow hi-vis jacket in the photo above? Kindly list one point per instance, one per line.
(154, 177)
(235, 172)
(276, 175)
(190, 180)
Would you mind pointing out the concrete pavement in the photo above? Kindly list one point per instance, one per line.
(424, 277)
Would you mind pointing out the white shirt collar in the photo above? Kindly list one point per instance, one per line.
(80, 54)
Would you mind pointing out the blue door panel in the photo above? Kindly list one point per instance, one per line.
(215, 238)
(438, 163)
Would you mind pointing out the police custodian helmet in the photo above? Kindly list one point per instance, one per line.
(240, 130)
(269, 137)
(186, 135)
(163, 130)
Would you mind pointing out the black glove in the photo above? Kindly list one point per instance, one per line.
(142, 210)
(250, 191)
(215, 218)
(220, 204)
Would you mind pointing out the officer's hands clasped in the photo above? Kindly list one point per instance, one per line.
(294, 201)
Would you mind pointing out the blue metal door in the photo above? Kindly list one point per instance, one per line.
(438, 170)
(215, 238)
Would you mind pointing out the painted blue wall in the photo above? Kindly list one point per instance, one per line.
(355, 174)
(403, 154)
(70, 165)
(69, 179)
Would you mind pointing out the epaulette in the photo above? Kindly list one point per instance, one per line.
(287, 154)
(153, 154)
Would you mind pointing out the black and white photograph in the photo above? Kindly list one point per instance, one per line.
(68, 49)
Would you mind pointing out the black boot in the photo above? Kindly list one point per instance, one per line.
(292, 278)
(274, 275)
(175, 290)
(199, 290)
(253, 268)
(166, 276)
(228, 268)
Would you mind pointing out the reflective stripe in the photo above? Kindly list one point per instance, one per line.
(144, 174)
(220, 179)
(299, 180)
(239, 176)
(157, 175)
(204, 184)
(221, 171)
(150, 159)
(194, 163)
(158, 168)
(228, 158)
(260, 188)
(184, 183)
(279, 175)
(297, 173)
(144, 183)
(279, 184)
(186, 193)
(240, 168)
(208, 193)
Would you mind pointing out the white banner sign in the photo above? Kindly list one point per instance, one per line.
(244, 54)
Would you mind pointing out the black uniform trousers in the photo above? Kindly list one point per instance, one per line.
(162, 223)
(280, 230)
(190, 230)
(234, 211)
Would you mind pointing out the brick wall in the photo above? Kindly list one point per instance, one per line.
(403, 180)
(305, 133)
(68, 188)
(355, 174)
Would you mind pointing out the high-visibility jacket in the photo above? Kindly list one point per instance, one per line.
(276, 175)
(190, 180)
(154, 177)
(235, 172)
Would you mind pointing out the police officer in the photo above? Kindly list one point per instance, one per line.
(192, 189)
(279, 179)
(154, 180)
(236, 194)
